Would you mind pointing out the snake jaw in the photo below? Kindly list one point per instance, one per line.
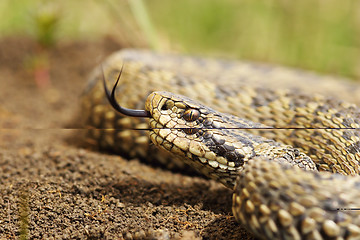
(192, 153)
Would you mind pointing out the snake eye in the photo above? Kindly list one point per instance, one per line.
(191, 115)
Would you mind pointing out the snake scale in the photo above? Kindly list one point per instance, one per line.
(219, 117)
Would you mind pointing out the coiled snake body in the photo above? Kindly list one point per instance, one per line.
(226, 131)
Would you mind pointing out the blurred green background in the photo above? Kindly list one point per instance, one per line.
(320, 35)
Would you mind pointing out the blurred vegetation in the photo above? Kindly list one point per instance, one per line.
(322, 35)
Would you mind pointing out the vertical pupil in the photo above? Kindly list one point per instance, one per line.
(191, 115)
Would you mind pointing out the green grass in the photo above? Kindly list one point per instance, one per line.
(311, 34)
(320, 35)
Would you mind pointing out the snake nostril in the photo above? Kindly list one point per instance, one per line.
(164, 107)
(167, 105)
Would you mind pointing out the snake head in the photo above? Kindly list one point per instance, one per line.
(209, 141)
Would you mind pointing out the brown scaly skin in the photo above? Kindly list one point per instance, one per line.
(278, 202)
(229, 87)
(272, 197)
(270, 204)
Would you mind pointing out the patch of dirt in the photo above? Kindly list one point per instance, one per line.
(52, 187)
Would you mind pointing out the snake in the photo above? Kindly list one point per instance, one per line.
(280, 138)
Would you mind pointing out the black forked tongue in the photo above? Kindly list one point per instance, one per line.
(116, 106)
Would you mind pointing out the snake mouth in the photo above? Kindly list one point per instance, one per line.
(193, 153)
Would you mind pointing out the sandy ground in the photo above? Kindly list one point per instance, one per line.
(53, 186)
